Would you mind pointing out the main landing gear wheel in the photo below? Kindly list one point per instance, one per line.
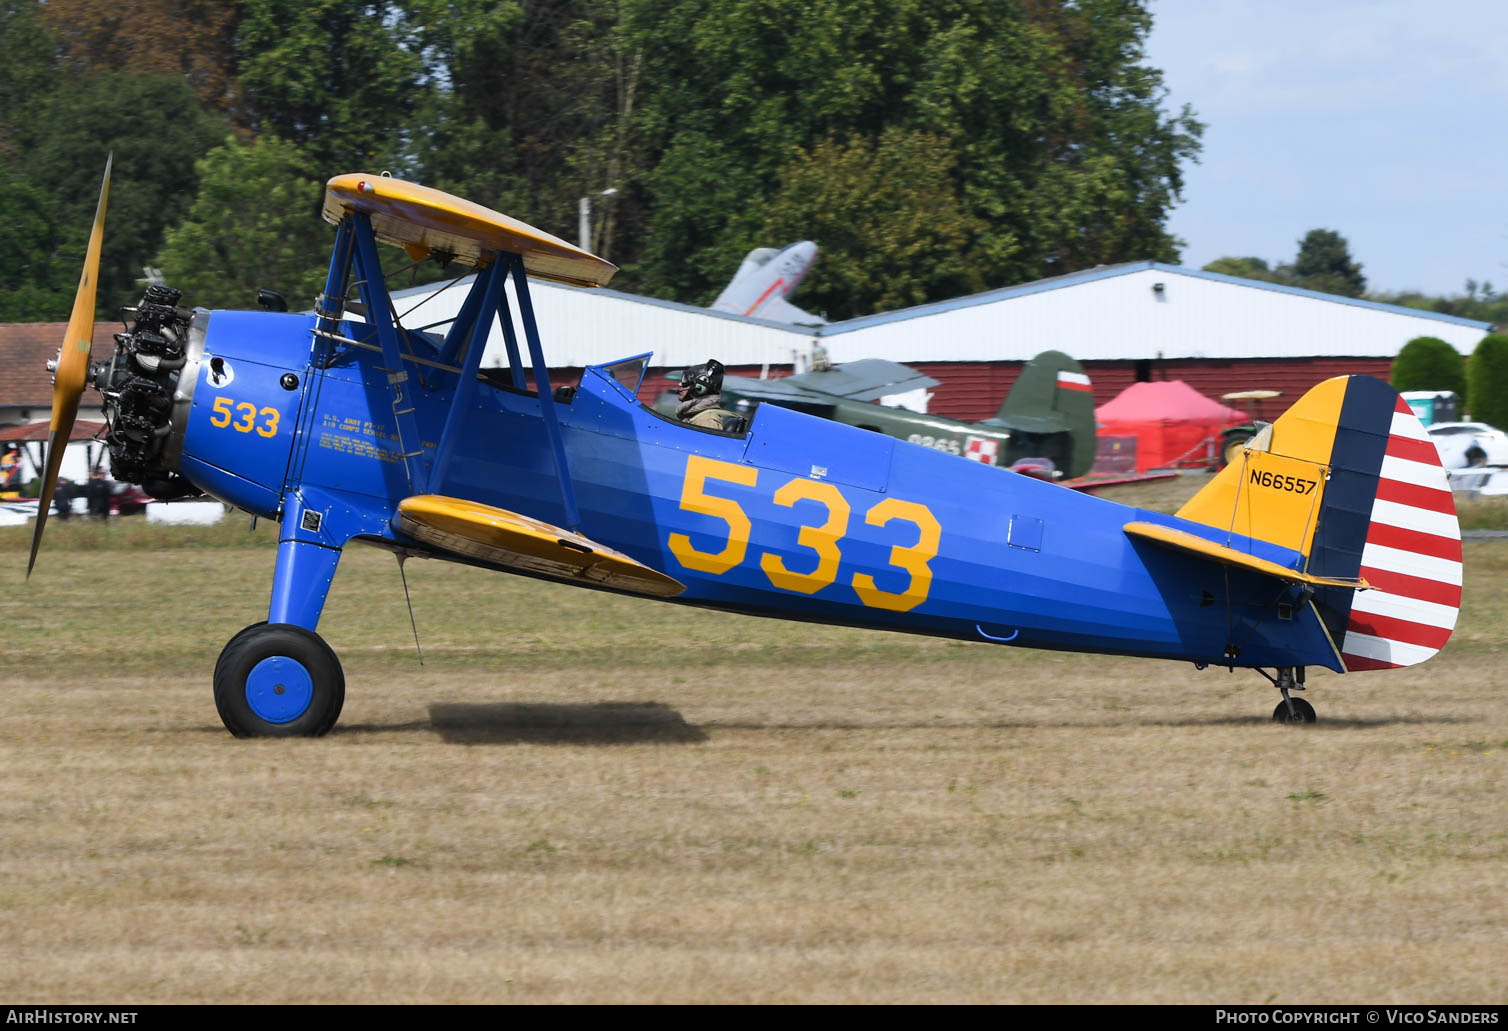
(278, 680)
(1302, 712)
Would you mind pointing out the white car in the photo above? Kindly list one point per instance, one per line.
(1463, 445)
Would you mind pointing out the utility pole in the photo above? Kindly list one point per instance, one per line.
(584, 217)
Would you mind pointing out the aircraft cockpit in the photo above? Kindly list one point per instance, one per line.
(628, 374)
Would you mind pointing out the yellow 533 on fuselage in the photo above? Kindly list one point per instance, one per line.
(824, 538)
(244, 417)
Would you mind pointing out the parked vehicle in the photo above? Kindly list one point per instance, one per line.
(1234, 438)
(1464, 445)
(1433, 406)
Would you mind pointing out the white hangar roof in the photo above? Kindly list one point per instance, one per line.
(582, 326)
(1132, 311)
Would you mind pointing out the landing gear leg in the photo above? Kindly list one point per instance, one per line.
(1290, 709)
(280, 678)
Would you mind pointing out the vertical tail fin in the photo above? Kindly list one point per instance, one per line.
(1348, 478)
(1053, 396)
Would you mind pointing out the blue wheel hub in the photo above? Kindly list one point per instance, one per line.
(279, 689)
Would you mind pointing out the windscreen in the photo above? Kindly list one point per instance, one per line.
(628, 372)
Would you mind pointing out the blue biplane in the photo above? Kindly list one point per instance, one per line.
(1331, 541)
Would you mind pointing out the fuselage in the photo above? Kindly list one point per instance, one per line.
(799, 518)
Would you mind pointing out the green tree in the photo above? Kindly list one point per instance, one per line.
(1479, 301)
(1429, 363)
(1243, 268)
(466, 141)
(1063, 155)
(1487, 377)
(154, 128)
(36, 284)
(249, 226)
(606, 82)
(1324, 263)
(340, 80)
(682, 249)
(191, 38)
(894, 233)
(28, 66)
(541, 109)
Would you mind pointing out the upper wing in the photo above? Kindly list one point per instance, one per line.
(784, 389)
(426, 221)
(864, 380)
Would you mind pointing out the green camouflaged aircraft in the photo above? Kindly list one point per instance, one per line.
(1048, 414)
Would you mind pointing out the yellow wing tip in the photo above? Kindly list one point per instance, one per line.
(422, 219)
(516, 541)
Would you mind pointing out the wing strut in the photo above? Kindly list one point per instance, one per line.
(510, 340)
(380, 316)
(489, 287)
(546, 396)
(493, 300)
(461, 330)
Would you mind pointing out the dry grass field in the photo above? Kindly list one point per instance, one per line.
(585, 798)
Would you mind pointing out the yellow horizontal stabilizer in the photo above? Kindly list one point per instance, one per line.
(425, 221)
(509, 539)
(1180, 540)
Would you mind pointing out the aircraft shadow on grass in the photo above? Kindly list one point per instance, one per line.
(631, 723)
(600, 723)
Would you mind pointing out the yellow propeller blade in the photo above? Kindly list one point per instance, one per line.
(73, 367)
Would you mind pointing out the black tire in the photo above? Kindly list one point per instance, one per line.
(1231, 450)
(223, 651)
(250, 693)
(1476, 458)
(1301, 709)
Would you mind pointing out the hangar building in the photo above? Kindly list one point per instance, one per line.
(1126, 323)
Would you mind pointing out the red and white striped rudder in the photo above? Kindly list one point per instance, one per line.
(1412, 557)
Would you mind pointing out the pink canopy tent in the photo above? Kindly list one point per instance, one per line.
(1171, 421)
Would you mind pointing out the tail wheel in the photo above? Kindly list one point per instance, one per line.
(1302, 712)
(278, 680)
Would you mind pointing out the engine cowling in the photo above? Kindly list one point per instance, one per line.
(147, 387)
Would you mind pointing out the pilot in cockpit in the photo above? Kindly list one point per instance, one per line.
(701, 398)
